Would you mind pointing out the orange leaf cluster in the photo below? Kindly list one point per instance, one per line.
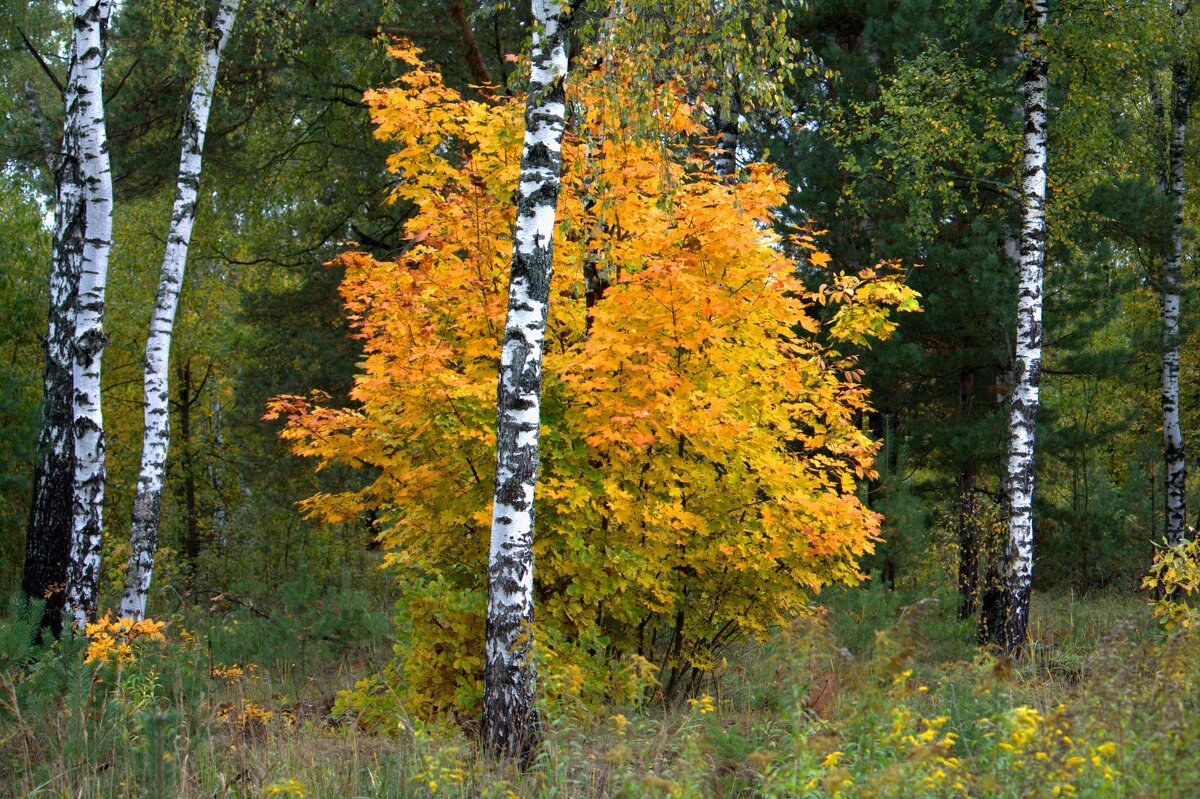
(700, 441)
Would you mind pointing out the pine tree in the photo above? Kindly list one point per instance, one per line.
(909, 157)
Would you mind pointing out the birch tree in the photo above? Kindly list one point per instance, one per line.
(511, 727)
(1172, 114)
(1011, 634)
(147, 504)
(88, 49)
(48, 531)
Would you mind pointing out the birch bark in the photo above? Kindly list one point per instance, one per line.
(88, 42)
(728, 134)
(1027, 367)
(147, 504)
(1171, 184)
(511, 726)
(48, 530)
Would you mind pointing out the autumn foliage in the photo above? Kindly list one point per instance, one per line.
(701, 440)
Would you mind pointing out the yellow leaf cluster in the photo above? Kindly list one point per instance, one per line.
(113, 640)
(701, 443)
(1175, 576)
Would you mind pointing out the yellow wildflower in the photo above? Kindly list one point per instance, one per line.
(704, 705)
(291, 789)
(832, 758)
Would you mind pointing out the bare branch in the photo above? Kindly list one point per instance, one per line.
(41, 62)
(39, 121)
(121, 83)
(480, 74)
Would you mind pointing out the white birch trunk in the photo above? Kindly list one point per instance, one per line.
(48, 530)
(728, 134)
(147, 504)
(1171, 184)
(511, 726)
(88, 42)
(1018, 561)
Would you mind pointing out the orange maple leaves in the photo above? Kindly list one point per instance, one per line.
(700, 444)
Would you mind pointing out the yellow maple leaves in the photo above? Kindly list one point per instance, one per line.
(700, 442)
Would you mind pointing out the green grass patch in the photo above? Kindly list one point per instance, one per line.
(882, 694)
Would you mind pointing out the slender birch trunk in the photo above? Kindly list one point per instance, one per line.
(511, 726)
(728, 135)
(90, 33)
(1027, 367)
(1171, 185)
(147, 504)
(48, 531)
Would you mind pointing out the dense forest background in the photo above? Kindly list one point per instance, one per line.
(900, 143)
(897, 126)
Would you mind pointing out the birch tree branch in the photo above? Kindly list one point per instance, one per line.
(39, 121)
(33, 51)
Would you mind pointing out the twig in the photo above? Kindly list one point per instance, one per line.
(215, 596)
(39, 121)
(41, 62)
(121, 83)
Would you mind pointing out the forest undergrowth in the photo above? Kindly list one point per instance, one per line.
(880, 694)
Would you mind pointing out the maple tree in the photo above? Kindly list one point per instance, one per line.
(700, 445)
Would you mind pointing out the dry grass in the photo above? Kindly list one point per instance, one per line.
(781, 710)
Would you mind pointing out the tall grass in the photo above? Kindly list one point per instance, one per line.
(872, 698)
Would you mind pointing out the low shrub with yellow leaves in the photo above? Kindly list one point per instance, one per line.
(1175, 576)
(444, 770)
(116, 640)
(243, 715)
(233, 674)
(1017, 752)
(1046, 754)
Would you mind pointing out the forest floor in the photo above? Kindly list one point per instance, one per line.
(882, 695)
